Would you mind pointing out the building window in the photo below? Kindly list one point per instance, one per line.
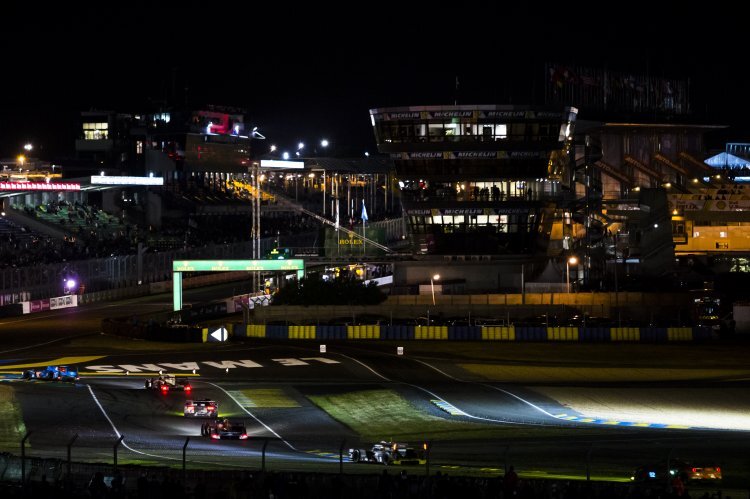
(95, 131)
(139, 147)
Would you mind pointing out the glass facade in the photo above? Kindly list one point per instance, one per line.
(477, 179)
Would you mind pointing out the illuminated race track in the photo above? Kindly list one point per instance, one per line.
(524, 406)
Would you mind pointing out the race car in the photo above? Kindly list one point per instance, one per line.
(224, 429)
(388, 453)
(167, 382)
(205, 408)
(687, 471)
(52, 373)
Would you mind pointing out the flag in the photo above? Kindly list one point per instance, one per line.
(364, 212)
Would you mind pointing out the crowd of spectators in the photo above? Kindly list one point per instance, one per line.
(387, 485)
(93, 233)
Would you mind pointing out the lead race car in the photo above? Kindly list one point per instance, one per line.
(52, 373)
(167, 382)
(388, 453)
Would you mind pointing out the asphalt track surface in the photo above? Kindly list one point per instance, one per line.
(110, 401)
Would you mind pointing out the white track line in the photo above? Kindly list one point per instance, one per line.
(365, 366)
(466, 414)
(441, 372)
(530, 404)
(251, 414)
(117, 432)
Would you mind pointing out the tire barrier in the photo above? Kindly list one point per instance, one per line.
(476, 333)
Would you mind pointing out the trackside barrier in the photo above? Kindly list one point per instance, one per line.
(680, 333)
(594, 334)
(625, 334)
(502, 333)
(400, 332)
(702, 333)
(564, 333)
(191, 334)
(337, 332)
(363, 332)
(256, 331)
(465, 333)
(277, 332)
(301, 332)
(431, 333)
(654, 334)
(533, 333)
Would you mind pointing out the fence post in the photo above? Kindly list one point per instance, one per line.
(341, 457)
(505, 459)
(427, 448)
(70, 444)
(117, 444)
(23, 458)
(184, 452)
(263, 455)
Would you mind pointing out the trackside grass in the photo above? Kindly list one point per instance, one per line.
(384, 414)
(12, 427)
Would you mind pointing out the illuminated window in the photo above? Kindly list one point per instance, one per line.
(139, 147)
(95, 131)
(482, 219)
(437, 219)
(722, 234)
(696, 234)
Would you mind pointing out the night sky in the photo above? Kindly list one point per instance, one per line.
(305, 73)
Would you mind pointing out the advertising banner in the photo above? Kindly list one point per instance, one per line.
(63, 302)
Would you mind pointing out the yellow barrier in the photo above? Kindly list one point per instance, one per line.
(564, 333)
(503, 333)
(204, 334)
(680, 333)
(301, 332)
(431, 333)
(625, 334)
(256, 331)
(369, 332)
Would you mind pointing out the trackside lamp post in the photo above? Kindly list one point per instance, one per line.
(434, 278)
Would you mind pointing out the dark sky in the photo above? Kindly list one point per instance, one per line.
(307, 72)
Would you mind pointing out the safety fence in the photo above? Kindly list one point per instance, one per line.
(324, 466)
(473, 333)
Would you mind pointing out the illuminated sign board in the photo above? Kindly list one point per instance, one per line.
(123, 180)
(180, 266)
(236, 265)
(39, 186)
(275, 163)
